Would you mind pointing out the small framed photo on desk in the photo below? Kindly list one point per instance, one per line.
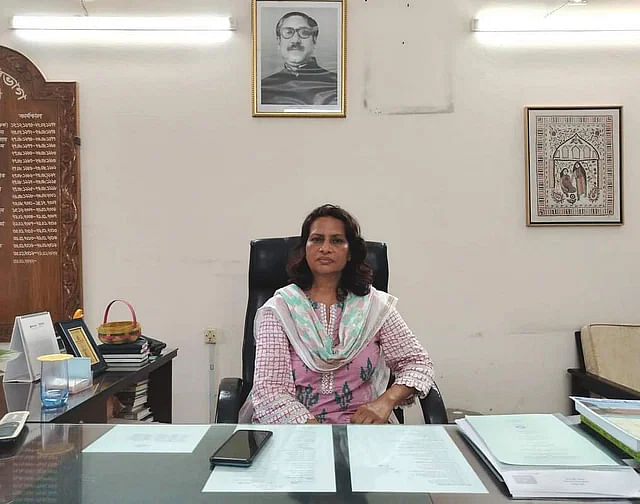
(78, 341)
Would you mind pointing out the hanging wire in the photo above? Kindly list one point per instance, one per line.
(546, 15)
(84, 8)
(568, 2)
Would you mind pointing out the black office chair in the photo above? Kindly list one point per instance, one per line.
(267, 272)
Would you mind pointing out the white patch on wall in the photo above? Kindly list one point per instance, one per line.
(408, 62)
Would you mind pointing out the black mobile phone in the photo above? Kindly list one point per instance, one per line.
(241, 448)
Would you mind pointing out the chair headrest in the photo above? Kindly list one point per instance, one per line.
(269, 257)
(267, 273)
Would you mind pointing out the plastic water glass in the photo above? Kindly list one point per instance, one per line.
(54, 380)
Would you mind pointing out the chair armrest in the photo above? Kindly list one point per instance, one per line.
(229, 400)
(583, 383)
(433, 408)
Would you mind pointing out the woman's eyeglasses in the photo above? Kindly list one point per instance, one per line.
(303, 33)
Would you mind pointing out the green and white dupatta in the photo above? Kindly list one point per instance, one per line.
(362, 318)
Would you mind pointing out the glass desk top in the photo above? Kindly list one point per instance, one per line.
(46, 466)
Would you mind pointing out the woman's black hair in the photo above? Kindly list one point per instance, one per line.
(356, 276)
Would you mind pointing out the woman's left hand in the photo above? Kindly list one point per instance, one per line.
(374, 412)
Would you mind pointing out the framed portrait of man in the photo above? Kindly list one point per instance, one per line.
(299, 53)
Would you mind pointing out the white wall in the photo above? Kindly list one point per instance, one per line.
(177, 177)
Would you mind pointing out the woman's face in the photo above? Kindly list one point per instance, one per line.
(327, 248)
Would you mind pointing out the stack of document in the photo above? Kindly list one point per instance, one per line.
(539, 456)
(617, 420)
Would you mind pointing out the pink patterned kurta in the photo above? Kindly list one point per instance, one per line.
(285, 390)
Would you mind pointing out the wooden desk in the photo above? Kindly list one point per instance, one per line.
(90, 406)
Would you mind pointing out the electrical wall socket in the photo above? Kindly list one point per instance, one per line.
(210, 335)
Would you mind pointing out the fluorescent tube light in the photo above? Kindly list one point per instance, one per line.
(199, 23)
(556, 24)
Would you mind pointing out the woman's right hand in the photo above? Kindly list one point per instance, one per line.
(375, 412)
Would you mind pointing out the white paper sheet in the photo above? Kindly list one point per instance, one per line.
(561, 482)
(297, 458)
(557, 482)
(164, 438)
(409, 458)
(537, 440)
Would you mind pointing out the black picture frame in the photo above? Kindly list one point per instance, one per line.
(79, 343)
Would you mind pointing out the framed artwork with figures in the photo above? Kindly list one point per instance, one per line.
(574, 165)
(299, 58)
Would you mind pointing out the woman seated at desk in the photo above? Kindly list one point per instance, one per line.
(325, 344)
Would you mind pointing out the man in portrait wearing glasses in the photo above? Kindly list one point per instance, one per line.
(302, 81)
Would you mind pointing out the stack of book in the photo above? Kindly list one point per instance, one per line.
(126, 357)
(540, 456)
(617, 420)
(134, 402)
